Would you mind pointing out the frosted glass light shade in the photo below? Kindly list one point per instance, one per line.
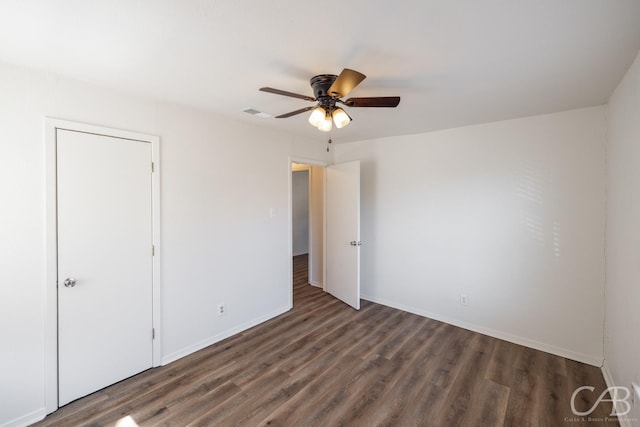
(317, 116)
(326, 124)
(341, 118)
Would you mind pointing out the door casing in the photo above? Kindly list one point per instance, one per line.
(51, 274)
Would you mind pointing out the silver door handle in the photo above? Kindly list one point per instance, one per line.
(69, 282)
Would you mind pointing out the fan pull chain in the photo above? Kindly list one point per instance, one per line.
(328, 144)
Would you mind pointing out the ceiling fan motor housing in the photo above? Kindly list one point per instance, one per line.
(320, 85)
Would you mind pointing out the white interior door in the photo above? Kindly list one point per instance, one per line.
(104, 261)
(342, 233)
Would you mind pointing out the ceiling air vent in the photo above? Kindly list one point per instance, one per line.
(257, 113)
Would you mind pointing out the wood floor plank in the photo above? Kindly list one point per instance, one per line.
(523, 405)
(326, 364)
(488, 405)
(412, 372)
(553, 387)
(302, 409)
(500, 368)
(465, 387)
(580, 375)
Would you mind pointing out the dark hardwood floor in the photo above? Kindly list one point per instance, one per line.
(325, 364)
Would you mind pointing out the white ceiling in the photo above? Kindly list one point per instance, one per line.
(453, 63)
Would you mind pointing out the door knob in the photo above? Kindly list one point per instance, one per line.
(69, 282)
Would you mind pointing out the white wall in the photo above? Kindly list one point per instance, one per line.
(622, 327)
(300, 211)
(510, 213)
(210, 233)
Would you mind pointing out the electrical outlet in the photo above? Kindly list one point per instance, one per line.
(464, 299)
(221, 309)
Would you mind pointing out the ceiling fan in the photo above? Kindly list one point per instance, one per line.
(327, 91)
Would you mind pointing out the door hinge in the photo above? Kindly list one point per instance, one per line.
(153, 167)
(153, 250)
(153, 333)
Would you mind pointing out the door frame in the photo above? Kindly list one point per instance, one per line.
(50, 326)
(310, 162)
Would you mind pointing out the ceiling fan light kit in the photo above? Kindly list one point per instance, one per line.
(321, 118)
(328, 89)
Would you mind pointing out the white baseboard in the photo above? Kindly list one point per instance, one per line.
(608, 378)
(624, 420)
(317, 284)
(26, 420)
(563, 352)
(219, 337)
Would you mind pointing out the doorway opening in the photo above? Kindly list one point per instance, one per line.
(307, 223)
(333, 228)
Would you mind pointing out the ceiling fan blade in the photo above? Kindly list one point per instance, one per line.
(346, 81)
(375, 101)
(293, 113)
(285, 93)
